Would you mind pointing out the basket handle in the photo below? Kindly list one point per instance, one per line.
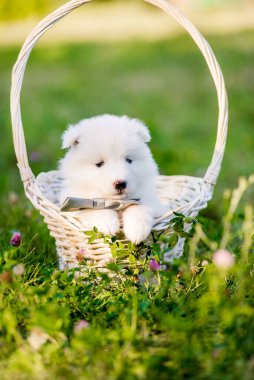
(20, 66)
(213, 170)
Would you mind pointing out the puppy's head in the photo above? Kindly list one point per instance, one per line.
(108, 156)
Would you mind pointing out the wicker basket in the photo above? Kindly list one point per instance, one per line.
(184, 194)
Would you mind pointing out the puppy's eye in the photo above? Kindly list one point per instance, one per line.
(129, 160)
(100, 164)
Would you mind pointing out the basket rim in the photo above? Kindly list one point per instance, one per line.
(185, 181)
(27, 176)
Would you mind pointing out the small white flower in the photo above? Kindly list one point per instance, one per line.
(37, 338)
(13, 198)
(18, 269)
(223, 259)
(204, 263)
(80, 325)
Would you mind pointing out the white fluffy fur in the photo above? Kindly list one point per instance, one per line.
(112, 139)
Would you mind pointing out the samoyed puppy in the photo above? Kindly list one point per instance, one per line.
(108, 157)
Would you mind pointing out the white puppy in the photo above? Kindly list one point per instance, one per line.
(108, 158)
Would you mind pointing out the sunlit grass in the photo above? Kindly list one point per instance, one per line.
(193, 320)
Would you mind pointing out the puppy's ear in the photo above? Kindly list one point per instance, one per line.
(142, 131)
(71, 137)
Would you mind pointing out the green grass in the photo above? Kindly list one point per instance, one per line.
(197, 322)
(166, 84)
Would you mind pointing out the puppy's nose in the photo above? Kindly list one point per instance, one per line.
(120, 185)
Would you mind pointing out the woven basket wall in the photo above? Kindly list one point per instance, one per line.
(184, 194)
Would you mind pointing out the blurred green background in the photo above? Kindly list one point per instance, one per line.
(114, 57)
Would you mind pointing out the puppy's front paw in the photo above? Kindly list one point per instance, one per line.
(106, 221)
(138, 222)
